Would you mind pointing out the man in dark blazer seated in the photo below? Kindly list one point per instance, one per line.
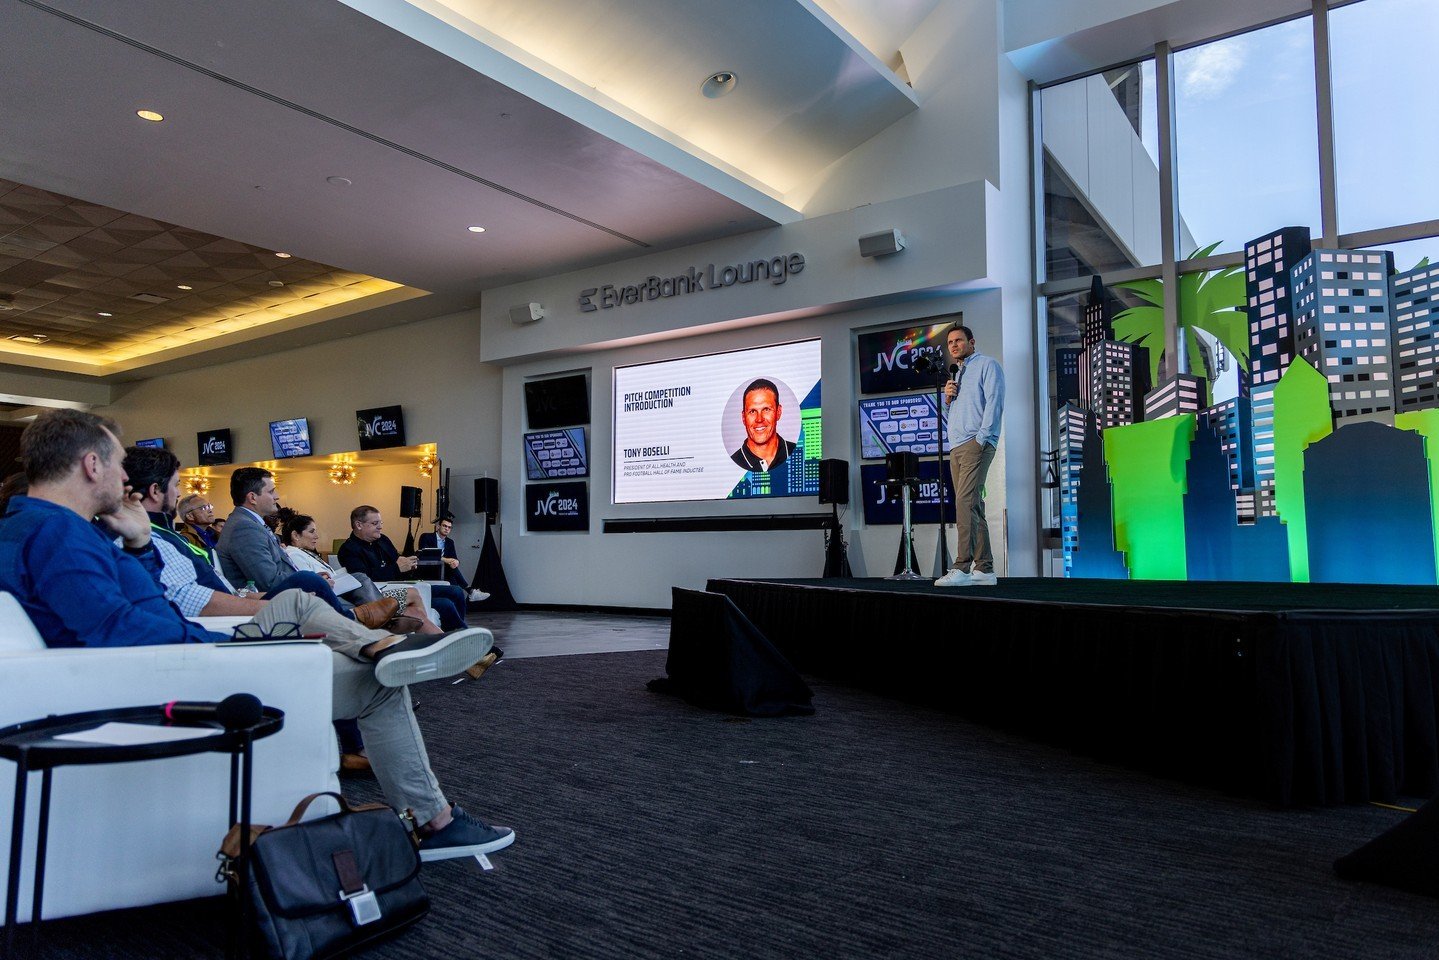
(370, 552)
(449, 559)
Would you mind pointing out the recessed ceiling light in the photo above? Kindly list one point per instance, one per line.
(277, 283)
(150, 115)
(29, 338)
(718, 84)
(186, 286)
(339, 181)
(102, 313)
(283, 256)
(476, 229)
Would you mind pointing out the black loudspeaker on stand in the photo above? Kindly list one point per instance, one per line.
(834, 490)
(411, 508)
(487, 497)
(902, 470)
(490, 572)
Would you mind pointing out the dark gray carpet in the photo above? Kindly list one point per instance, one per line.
(650, 829)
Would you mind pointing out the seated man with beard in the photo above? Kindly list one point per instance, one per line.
(60, 558)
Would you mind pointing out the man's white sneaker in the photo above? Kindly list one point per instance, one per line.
(955, 578)
(477, 596)
(982, 579)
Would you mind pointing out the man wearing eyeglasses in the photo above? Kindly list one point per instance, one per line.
(197, 519)
(370, 552)
(78, 554)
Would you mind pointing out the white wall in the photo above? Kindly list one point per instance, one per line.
(431, 369)
(954, 177)
(638, 569)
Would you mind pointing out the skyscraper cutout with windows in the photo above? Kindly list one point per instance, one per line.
(1415, 298)
(1342, 328)
(1268, 302)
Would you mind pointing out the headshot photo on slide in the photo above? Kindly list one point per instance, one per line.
(761, 424)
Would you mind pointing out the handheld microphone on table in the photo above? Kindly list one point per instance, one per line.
(235, 712)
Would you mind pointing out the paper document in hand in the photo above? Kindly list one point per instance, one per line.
(342, 582)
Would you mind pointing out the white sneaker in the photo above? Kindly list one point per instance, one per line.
(478, 595)
(955, 578)
(981, 579)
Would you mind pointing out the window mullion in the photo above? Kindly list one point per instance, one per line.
(1324, 104)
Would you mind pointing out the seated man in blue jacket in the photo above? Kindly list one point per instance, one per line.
(60, 558)
(449, 557)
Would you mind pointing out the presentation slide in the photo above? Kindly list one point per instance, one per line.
(897, 424)
(551, 454)
(725, 426)
(290, 438)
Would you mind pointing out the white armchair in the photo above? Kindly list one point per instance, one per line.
(140, 833)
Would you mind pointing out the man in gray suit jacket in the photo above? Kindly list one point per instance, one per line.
(247, 548)
(250, 552)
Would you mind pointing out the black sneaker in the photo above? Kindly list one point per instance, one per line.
(465, 836)
(430, 656)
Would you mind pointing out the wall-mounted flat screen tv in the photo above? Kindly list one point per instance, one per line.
(290, 438)
(555, 454)
(215, 448)
(895, 424)
(380, 427)
(726, 426)
(557, 402)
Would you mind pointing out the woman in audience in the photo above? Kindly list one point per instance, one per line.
(301, 539)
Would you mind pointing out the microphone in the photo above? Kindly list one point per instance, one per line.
(953, 370)
(235, 712)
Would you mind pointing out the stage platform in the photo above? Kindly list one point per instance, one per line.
(1294, 693)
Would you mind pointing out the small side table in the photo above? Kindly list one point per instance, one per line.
(33, 746)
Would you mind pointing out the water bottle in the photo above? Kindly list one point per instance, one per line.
(248, 590)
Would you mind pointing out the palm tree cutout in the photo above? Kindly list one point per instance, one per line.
(1209, 301)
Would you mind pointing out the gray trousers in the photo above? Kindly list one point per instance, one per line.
(968, 465)
(392, 737)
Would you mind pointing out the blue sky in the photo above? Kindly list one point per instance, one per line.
(1247, 144)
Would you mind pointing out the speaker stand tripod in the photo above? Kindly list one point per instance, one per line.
(836, 561)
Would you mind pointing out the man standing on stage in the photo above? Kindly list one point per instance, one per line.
(975, 396)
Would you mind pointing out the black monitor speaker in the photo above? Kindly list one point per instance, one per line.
(487, 496)
(902, 466)
(834, 481)
(410, 502)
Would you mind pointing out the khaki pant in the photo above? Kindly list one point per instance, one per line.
(968, 465)
(387, 721)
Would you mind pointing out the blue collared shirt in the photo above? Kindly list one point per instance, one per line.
(79, 589)
(979, 406)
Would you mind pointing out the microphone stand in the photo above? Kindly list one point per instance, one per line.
(941, 377)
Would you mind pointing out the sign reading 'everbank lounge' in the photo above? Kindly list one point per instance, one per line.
(694, 280)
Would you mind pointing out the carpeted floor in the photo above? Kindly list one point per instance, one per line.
(650, 829)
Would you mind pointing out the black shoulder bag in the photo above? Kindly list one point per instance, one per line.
(320, 888)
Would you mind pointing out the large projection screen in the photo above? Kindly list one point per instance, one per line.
(681, 430)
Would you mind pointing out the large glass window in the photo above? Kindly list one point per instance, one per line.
(1101, 173)
(1386, 129)
(1247, 155)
